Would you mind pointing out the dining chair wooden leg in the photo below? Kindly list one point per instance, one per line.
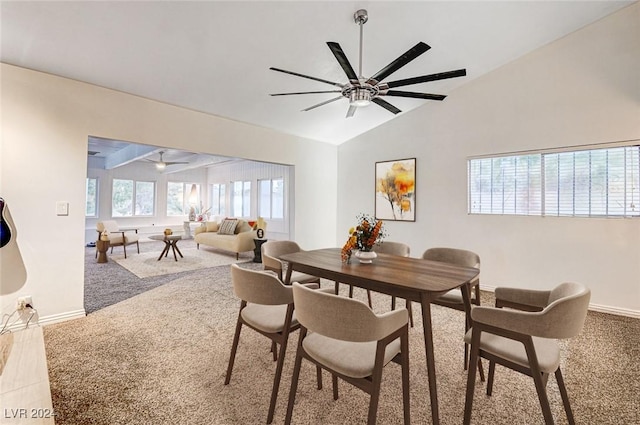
(369, 298)
(294, 378)
(539, 382)
(319, 376)
(334, 381)
(471, 377)
(274, 350)
(410, 311)
(492, 371)
(337, 287)
(277, 378)
(565, 397)
(376, 381)
(234, 346)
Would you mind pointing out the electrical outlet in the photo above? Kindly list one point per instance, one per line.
(24, 301)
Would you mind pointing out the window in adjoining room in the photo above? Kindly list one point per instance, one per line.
(91, 207)
(180, 199)
(241, 198)
(271, 198)
(218, 193)
(132, 198)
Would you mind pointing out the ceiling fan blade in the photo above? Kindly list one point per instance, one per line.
(306, 92)
(407, 57)
(426, 78)
(415, 95)
(386, 105)
(351, 111)
(322, 103)
(342, 60)
(307, 76)
(175, 163)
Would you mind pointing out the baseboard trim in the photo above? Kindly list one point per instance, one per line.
(25, 319)
(627, 312)
(62, 317)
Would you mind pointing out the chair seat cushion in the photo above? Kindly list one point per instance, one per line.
(354, 359)
(453, 296)
(129, 238)
(267, 318)
(303, 277)
(547, 350)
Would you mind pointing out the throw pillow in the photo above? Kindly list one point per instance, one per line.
(212, 226)
(242, 226)
(227, 227)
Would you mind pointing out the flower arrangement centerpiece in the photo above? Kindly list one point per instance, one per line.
(367, 233)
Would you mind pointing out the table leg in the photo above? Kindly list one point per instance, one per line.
(175, 245)
(287, 279)
(431, 366)
(173, 248)
(166, 249)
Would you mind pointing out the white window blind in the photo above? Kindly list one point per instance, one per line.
(505, 185)
(601, 182)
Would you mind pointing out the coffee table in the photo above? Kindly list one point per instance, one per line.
(170, 242)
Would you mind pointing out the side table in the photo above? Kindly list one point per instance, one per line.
(102, 247)
(170, 242)
(257, 251)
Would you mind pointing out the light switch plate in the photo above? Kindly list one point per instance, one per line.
(62, 208)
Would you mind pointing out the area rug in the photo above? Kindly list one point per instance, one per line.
(160, 358)
(146, 264)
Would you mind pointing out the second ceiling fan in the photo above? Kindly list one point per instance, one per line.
(360, 91)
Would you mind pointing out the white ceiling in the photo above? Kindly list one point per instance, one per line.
(214, 56)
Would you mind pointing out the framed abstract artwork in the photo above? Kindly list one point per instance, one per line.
(396, 190)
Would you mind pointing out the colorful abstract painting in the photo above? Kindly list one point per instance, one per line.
(396, 190)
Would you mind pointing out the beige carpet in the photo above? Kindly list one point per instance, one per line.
(160, 358)
(146, 264)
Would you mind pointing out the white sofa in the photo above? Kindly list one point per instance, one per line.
(241, 240)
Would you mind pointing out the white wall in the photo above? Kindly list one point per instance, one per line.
(582, 89)
(45, 123)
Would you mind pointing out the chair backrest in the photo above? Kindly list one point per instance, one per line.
(343, 318)
(272, 250)
(259, 287)
(566, 312)
(108, 225)
(393, 248)
(459, 257)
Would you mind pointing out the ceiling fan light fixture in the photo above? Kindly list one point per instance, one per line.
(161, 165)
(360, 98)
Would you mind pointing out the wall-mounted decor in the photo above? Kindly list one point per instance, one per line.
(396, 190)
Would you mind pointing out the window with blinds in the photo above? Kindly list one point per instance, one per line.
(601, 182)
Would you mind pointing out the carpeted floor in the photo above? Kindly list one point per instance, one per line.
(109, 283)
(160, 358)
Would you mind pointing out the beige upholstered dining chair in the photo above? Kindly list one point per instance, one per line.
(345, 337)
(402, 250)
(266, 307)
(271, 252)
(453, 299)
(525, 341)
(118, 236)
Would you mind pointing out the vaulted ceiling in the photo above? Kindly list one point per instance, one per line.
(214, 56)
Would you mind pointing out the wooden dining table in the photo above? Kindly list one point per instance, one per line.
(410, 278)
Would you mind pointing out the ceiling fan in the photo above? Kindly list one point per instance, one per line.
(161, 165)
(360, 91)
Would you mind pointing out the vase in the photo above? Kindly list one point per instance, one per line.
(366, 257)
